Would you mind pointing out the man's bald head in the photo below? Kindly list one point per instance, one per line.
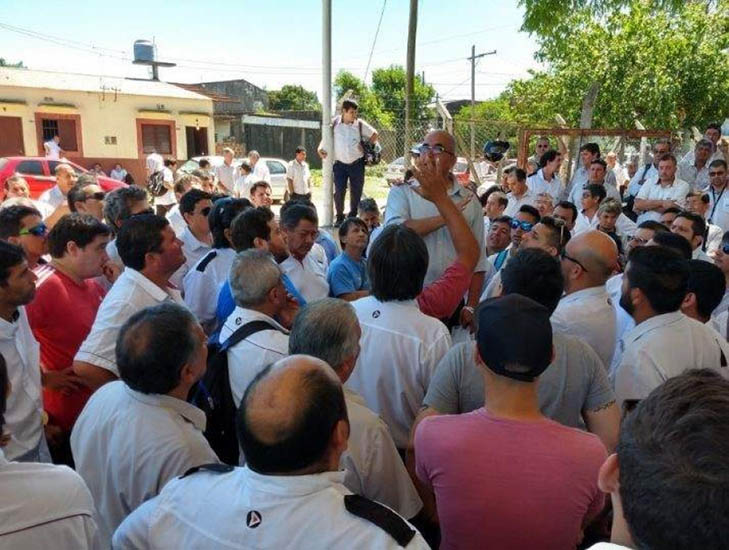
(288, 416)
(597, 255)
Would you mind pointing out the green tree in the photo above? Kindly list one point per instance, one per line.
(5, 63)
(293, 98)
(666, 68)
(388, 84)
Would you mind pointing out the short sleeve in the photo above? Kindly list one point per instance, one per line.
(367, 129)
(398, 207)
(340, 280)
(599, 391)
(475, 220)
(644, 190)
(636, 376)
(423, 448)
(290, 170)
(444, 387)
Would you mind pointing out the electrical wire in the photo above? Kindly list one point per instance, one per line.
(374, 41)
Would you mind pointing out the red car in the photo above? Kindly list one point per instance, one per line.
(38, 172)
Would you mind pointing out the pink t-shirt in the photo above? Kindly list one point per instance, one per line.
(505, 484)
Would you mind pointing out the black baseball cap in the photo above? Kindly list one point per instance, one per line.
(514, 330)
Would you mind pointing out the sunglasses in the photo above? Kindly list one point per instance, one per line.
(39, 230)
(145, 212)
(563, 254)
(435, 149)
(205, 211)
(99, 196)
(725, 248)
(525, 226)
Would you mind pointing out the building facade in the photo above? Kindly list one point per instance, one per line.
(102, 119)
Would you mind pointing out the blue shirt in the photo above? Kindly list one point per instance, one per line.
(346, 275)
(226, 303)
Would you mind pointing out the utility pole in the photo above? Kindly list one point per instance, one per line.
(410, 76)
(326, 109)
(473, 59)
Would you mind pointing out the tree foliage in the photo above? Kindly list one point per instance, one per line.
(388, 84)
(370, 106)
(293, 98)
(5, 63)
(666, 66)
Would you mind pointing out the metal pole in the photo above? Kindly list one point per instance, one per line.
(410, 74)
(473, 101)
(326, 112)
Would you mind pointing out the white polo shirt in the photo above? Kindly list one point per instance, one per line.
(243, 184)
(515, 203)
(697, 179)
(169, 197)
(174, 216)
(347, 139)
(624, 226)
(131, 292)
(154, 163)
(538, 184)
(649, 175)
(52, 197)
(665, 346)
(400, 349)
(244, 509)
(624, 323)
(310, 275)
(45, 506)
(193, 249)
(611, 192)
(588, 314)
(299, 173)
(676, 192)
(127, 445)
(261, 172)
(202, 283)
(250, 356)
(23, 417)
(226, 175)
(374, 468)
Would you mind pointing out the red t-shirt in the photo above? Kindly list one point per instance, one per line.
(60, 316)
(506, 484)
(441, 297)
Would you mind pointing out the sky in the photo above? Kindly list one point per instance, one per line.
(272, 42)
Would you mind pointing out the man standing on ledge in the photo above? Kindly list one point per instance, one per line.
(349, 163)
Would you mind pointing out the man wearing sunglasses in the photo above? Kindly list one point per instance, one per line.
(86, 197)
(23, 226)
(195, 205)
(406, 206)
(586, 310)
(718, 211)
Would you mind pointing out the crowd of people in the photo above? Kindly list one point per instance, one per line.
(544, 366)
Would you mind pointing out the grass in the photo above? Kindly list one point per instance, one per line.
(375, 185)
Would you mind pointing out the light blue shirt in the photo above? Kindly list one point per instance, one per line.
(404, 204)
(345, 275)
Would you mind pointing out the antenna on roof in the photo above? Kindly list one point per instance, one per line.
(145, 53)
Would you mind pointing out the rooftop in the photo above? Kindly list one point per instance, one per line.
(27, 78)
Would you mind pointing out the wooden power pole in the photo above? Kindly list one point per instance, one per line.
(410, 74)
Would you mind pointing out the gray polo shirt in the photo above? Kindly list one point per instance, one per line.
(576, 381)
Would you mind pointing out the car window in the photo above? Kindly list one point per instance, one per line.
(53, 163)
(275, 167)
(30, 168)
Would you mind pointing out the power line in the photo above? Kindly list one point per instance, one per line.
(374, 42)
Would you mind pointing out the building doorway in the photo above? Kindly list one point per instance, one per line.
(197, 141)
(11, 136)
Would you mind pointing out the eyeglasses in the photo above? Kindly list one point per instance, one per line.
(99, 196)
(205, 211)
(565, 256)
(436, 149)
(725, 248)
(39, 230)
(525, 226)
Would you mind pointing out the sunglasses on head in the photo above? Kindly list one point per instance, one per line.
(525, 226)
(38, 230)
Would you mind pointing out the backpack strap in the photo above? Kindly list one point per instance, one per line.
(645, 171)
(244, 332)
(382, 516)
(500, 259)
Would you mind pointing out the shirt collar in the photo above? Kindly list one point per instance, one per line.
(192, 241)
(654, 323)
(294, 485)
(586, 293)
(242, 315)
(186, 410)
(8, 329)
(138, 279)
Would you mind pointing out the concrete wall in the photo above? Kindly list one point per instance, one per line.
(247, 98)
(100, 115)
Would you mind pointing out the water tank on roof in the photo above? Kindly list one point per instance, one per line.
(144, 51)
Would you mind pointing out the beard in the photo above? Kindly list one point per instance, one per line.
(626, 303)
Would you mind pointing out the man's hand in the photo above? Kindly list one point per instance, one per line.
(111, 271)
(65, 381)
(433, 185)
(466, 318)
